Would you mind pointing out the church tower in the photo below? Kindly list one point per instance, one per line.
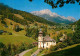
(40, 36)
(40, 39)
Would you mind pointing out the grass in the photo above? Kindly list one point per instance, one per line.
(41, 53)
(16, 37)
(73, 50)
(6, 39)
(30, 52)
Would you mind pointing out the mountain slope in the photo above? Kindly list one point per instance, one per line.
(9, 13)
(75, 22)
(47, 14)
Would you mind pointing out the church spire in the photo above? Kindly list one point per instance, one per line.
(40, 33)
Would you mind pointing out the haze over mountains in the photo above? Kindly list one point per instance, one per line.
(47, 14)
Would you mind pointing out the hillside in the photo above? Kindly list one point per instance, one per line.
(11, 41)
(16, 37)
(75, 22)
(8, 12)
(10, 17)
(68, 51)
(26, 31)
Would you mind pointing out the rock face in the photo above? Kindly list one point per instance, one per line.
(47, 14)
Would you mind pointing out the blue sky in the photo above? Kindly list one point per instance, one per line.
(37, 5)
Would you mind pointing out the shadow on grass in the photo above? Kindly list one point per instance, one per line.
(75, 51)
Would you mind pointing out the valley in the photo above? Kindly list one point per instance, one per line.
(37, 33)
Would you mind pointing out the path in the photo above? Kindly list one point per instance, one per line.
(21, 54)
(36, 52)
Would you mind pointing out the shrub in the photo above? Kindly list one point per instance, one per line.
(11, 23)
(58, 46)
(3, 22)
(1, 45)
(10, 33)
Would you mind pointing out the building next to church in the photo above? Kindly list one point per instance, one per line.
(45, 42)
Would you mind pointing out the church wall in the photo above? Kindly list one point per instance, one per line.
(53, 43)
(40, 38)
(48, 44)
(40, 44)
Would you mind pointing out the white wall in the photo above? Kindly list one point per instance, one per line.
(40, 44)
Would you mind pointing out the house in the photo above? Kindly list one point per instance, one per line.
(64, 37)
(45, 42)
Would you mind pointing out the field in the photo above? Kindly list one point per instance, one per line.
(67, 30)
(6, 39)
(16, 37)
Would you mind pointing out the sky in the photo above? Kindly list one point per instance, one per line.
(37, 5)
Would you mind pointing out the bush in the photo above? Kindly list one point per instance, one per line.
(17, 28)
(10, 33)
(1, 45)
(3, 22)
(58, 46)
(11, 23)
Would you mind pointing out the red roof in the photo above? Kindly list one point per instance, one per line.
(47, 38)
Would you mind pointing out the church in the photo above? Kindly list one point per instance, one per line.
(45, 42)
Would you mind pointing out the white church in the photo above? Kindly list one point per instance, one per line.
(45, 42)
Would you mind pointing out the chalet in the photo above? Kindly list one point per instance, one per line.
(45, 42)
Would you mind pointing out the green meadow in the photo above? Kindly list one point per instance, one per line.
(6, 39)
(73, 50)
(16, 37)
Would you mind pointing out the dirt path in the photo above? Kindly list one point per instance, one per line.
(36, 52)
(21, 54)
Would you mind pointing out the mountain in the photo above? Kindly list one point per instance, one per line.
(75, 22)
(54, 17)
(21, 17)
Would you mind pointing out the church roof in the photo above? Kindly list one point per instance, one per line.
(47, 38)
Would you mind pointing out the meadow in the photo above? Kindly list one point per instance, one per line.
(73, 50)
(16, 37)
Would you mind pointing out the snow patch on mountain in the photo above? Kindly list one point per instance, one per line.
(52, 14)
